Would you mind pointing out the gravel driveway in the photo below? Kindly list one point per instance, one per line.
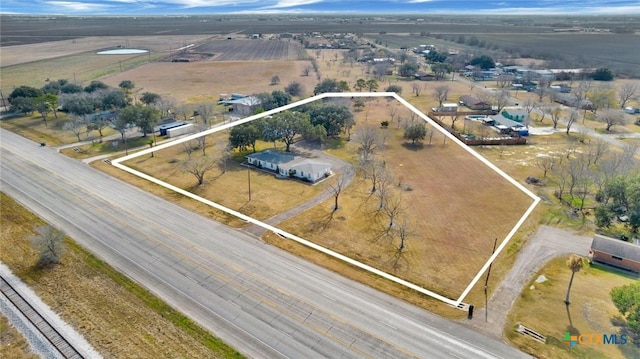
(546, 244)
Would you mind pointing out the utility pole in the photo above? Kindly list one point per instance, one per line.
(486, 284)
(249, 181)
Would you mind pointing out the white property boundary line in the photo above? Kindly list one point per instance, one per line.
(117, 163)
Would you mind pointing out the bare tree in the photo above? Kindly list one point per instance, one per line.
(628, 158)
(611, 118)
(392, 207)
(375, 171)
(584, 185)
(404, 230)
(184, 111)
(49, 242)
(573, 117)
(190, 146)
(555, 113)
(306, 70)
(417, 88)
(225, 154)
(454, 117)
(627, 92)
(75, 125)
(562, 174)
(504, 81)
(369, 139)
(205, 111)
(440, 94)
(384, 186)
(393, 112)
(202, 140)
(541, 89)
(501, 99)
(198, 167)
(610, 167)
(596, 150)
(576, 171)
(542, 108)
(164, 105)
(342, 180)
(529, 105)
(545, 162)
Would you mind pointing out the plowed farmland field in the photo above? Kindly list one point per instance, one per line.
(250, 50)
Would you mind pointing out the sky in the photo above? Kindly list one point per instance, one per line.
(204, 7)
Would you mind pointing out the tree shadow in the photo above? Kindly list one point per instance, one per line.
(325, 222)
(413, 146)
(570, 328)
(398, 261)
(632, 348)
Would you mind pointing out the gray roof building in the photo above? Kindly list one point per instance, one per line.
(615, 252)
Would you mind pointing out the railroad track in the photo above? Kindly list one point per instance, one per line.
(49, 331)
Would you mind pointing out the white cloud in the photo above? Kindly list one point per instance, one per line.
(291, 3)
(77, 6)
(209, 3)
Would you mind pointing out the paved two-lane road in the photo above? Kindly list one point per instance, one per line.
(261, 300)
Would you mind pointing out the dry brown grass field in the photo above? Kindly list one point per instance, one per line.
(198, 80)
(111, 316)
(206, 80)
(454, 204)
(269, 195)
(12, 343)
(52, 133)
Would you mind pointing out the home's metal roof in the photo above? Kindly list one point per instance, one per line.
(287, 161)
(276, 157)
(616, 247)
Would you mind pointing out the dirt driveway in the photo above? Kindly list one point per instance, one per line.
(546, 243)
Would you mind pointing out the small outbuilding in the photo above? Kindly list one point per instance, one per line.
(615, 252)
(167, 126)
(244, 106)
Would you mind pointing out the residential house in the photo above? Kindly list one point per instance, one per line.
(286, 164)
(507, 126)
(571, 101)
(474, 103)
(244, 106)
(424, 76)
(615, 252)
